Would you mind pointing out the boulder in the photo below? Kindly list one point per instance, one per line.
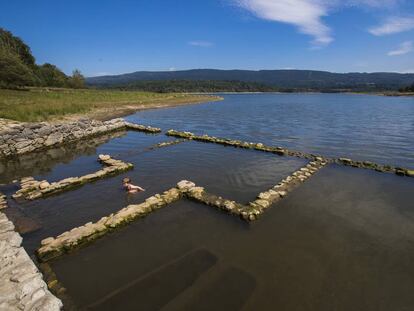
(345, 160)
(44, 185)
(104, 157)
(53, 139)
(185, 185)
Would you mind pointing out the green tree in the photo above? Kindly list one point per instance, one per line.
(77, 80)
(13, 72)
(50, 75)
(15, 45)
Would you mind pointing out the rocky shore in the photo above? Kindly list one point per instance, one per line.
(21, 284)
(23, 138)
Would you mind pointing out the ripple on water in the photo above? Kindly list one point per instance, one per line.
(354, 126)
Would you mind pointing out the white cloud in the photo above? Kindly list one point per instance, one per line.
(404, 48)
(393, 25)
(203, 44)
(307, 15)
(304, 14)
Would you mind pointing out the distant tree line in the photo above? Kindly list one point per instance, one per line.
(214, 86)
(407, 89)
(18, 67)
(197, 86)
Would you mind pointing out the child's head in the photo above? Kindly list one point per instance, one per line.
(126, 180)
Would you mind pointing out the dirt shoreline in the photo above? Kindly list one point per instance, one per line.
(108, 114)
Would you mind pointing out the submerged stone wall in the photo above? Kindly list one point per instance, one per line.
(21, 284)
(28, 137)
(242, 144)
(374, 166)
(264, 200)
(67, 241)
(284, 151)
(32, 189)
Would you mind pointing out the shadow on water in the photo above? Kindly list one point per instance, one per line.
(342, 241)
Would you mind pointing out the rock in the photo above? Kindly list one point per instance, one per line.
(282, 194)
(400, 172)
(104, 158)
(262, 203)
(264, 196)
(44, 185)
(185, 185)
(53, 139)
(22, 286)
(230, 205)
(45, 130)
(345, 160)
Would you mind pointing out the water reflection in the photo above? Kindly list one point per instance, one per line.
(42, 162)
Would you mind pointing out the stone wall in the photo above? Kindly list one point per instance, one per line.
(42, 162)
(3, 201)
(21, 284)
(264, 200)
(53, 247)
(284, 151)
(67, 241)
(31, 189)
(28, 137)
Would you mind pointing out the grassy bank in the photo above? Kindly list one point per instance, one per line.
(38, 104)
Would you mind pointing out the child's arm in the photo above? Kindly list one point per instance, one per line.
(137, 187)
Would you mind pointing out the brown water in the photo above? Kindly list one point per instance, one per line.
(341, 241)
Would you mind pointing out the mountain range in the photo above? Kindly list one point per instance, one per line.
(273, 79)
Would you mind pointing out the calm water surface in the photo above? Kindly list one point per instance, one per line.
(342, 241)
(365, 127)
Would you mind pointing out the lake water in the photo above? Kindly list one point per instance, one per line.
(376, 128)
(344, 240)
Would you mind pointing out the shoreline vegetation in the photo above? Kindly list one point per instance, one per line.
(31, 92)
(60, 104)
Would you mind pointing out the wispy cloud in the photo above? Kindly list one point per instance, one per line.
(393, 25)
(307, 15)
(404, 48)
(201, 43)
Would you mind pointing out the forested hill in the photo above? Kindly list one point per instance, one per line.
(275, 79)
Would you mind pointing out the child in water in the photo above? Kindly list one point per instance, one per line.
(130, 187)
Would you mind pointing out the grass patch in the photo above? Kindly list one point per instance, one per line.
(39, 104)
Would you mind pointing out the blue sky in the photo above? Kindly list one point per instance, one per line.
(111, 37)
